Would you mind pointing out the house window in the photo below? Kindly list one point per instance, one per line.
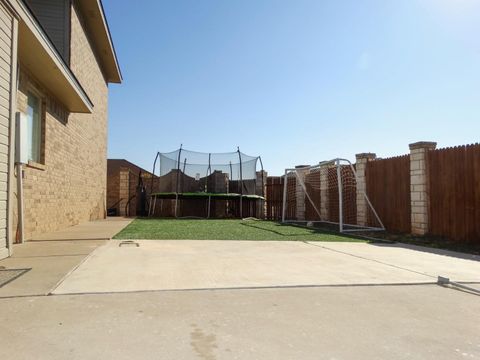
(54, 18)
(34, 127)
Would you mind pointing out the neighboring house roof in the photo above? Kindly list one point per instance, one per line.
(117, 163)
(101, 37)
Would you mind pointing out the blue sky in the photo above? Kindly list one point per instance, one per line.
(296, 81)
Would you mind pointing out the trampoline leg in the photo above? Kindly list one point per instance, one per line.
(208, 207)
(241, 207)
(176, 204)
(154, 205)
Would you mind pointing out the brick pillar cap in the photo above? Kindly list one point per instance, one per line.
(366, 156)
(429, 145)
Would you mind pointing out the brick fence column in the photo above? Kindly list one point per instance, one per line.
(324, 214)
(258, 182)
(124, 190)
(361, 170)
(261, 205)
(299, 192)
(419, 186)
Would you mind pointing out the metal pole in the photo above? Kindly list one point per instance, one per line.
(209, 171)
(241, 183)
(340, 197)
(176, 185)
(231, 178)
(20, 238)
(263, 202)
(154, 205)
(149, 206)
(183, 177)
(208, 210)
(263, 177)
(284, 207)
(366, 196)
(153, 172)
(300, 181)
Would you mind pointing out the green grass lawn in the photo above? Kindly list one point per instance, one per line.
(163, 229)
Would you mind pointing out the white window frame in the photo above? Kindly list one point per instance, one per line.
(35, 155)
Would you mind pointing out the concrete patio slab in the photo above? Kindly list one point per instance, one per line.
(92, 230)
(51, 260)
(191, 264)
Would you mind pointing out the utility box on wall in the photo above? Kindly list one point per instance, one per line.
(21, 138)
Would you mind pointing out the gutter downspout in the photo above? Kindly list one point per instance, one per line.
(19, 237)
(20, 227)
(14, 85)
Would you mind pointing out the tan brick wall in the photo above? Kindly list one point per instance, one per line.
(70, 187)
(124, 190)
(122, 181)
(361, 188)
(113, 190)
(419, 186)
(324, 193)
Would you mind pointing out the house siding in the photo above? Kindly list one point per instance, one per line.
(6, 30)
(70, 186)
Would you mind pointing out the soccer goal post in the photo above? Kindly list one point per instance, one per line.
(329, 193)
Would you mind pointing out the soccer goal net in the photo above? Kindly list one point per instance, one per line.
(328, 193)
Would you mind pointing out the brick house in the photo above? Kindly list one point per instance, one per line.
(122, 180)
(56, 61)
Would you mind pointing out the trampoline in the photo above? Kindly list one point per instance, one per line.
(206, 185)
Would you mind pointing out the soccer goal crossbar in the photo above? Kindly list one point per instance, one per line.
(330, 192)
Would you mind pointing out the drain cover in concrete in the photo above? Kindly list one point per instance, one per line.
(8, 275)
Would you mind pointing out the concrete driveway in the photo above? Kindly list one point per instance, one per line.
(250, 300)
(379, 322)
(200, 264)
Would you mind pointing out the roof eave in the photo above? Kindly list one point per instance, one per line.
(96, 21)
(39, 56)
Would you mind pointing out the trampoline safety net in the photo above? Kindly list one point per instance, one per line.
(194, 180)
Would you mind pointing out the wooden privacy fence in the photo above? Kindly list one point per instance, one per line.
(274, 196)
(428, 192)
(388, 188)
(454, 186)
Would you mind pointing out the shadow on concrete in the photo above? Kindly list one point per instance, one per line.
(436, 251)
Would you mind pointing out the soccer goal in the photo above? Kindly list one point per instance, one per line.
(328, 193)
